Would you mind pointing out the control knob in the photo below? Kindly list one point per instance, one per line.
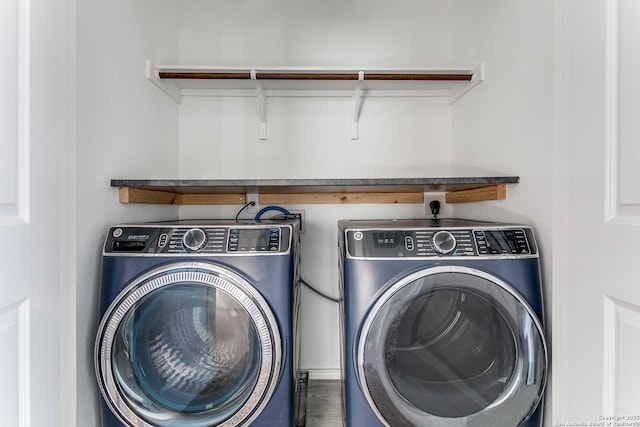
(194, 239)
(443, 242)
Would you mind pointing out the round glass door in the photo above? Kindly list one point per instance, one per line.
(188, 345)
(449, 345)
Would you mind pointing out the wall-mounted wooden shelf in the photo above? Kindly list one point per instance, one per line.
(311, 191)
(355, 82)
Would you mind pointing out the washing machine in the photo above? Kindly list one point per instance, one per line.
(442, 324)
(197, 324)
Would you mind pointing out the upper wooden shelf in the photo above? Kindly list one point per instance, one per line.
(309, 191)
(178, 80)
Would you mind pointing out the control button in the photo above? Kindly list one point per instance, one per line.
(358, 235)
(194, 239)
(162, 240)
(408, 243)
(443, 242)
(117, 232)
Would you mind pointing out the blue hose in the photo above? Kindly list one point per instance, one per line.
(271, 208)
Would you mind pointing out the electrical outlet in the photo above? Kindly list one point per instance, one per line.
(255, 198)
(299, 213)
(428, 198)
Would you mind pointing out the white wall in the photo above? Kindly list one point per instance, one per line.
(320, 33)
(506, 123)
(126, 128)
(310, 137)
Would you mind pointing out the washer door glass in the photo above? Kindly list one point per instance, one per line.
(452, 344)
(188, 346)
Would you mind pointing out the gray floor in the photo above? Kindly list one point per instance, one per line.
(323, 404)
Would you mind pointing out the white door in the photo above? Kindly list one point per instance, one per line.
(32, 148)
(596, 289)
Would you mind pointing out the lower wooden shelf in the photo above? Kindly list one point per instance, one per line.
(312, 191)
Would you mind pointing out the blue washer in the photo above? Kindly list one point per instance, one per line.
(197, 324)
(442, 324)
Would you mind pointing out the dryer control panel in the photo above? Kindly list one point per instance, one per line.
(198, 240)
(436, 242)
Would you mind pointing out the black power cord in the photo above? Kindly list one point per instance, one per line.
(318, 292)
(243, 208)
(286, 215)
(435, 208)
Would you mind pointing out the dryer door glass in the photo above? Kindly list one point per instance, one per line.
(188, 347)
(442, 346)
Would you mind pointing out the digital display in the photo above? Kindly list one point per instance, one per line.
(254, 240)
(387, 239)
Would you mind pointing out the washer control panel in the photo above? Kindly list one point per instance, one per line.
(497, 242)
(197, 240)
(254, 240)
(435, 242)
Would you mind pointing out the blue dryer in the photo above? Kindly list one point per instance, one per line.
(442, 324)
(197, 324)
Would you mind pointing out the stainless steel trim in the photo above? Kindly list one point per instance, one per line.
(438, 257)
(205, 226)
(388, 294)
(444, 257)
(208, 275)
(196, 254)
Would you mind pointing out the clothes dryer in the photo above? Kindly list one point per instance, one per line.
(442, 324)
(197, 324)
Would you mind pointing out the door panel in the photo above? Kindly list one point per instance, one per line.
(622, 23)
(622, 95)
(14, 110)
(596, 292)
(33, 138)
(622, 335)
(448, 344)
(190, 344)
(14, 369)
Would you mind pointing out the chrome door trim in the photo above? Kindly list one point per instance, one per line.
(387, 294)
(207, 275)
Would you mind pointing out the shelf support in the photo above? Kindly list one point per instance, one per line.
(234, 197)
(155, 197)
(491, 192)
(262, 105)
(152, 74)
(356, 105)
(477, 77)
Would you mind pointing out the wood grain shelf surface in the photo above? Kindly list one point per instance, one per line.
(222, 75)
